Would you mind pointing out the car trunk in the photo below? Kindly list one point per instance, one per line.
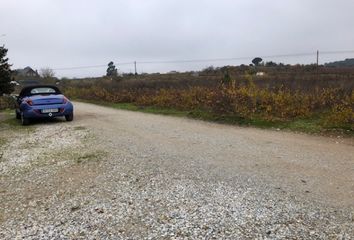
(47, 99)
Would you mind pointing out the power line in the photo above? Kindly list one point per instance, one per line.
(337, 52)
(223, 59)
(244, 58)
(82, 67)
(208, 59)
(87, 67)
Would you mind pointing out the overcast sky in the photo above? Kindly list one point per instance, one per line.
(71, 33)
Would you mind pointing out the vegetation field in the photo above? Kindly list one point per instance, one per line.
(302, 98)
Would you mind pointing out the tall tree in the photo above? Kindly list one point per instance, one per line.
(112, 71)
(256, 61)
(5, 73)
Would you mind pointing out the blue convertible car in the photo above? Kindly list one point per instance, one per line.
(42, 101)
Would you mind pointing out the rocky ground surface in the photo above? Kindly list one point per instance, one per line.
(124, 175)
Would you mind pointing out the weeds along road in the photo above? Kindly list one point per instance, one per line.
(115, 174)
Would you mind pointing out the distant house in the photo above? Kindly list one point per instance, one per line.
(195, 74)
(260, 74)
(26, 72)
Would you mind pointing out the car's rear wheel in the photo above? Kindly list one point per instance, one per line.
(24, 120)
(18, 115)
(69, 117)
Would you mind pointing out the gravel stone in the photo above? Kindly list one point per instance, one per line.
(124, 175)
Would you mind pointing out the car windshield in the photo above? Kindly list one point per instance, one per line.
(42, 90)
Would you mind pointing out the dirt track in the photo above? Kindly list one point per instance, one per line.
(286, 159)
(165, 177)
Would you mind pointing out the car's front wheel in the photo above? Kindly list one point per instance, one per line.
(24, 120)
(69, 117)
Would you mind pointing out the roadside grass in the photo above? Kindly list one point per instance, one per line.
(9, 121)
(69, 156)
(311, 125)
(79, 128)
(11, 128)
(135, 108)
(150, 109)
(3, 141)
(75, 156)
(90, 157)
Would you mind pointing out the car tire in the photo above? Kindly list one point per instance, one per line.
(69, 117)
(25, 121)
(18, 115)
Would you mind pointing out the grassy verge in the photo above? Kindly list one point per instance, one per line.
(9, 127)
(6, 117)
(2, 141)
(311, 125)
(9, 121)
(135, 108)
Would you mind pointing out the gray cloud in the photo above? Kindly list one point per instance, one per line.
(66, 33)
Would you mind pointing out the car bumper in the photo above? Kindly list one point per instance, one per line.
(36, 111)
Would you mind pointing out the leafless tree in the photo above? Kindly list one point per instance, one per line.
(47, 73)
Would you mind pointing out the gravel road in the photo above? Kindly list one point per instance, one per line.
(115, 174)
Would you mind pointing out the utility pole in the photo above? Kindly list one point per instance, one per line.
(318, 55)
(135, 68)
(317, 58)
